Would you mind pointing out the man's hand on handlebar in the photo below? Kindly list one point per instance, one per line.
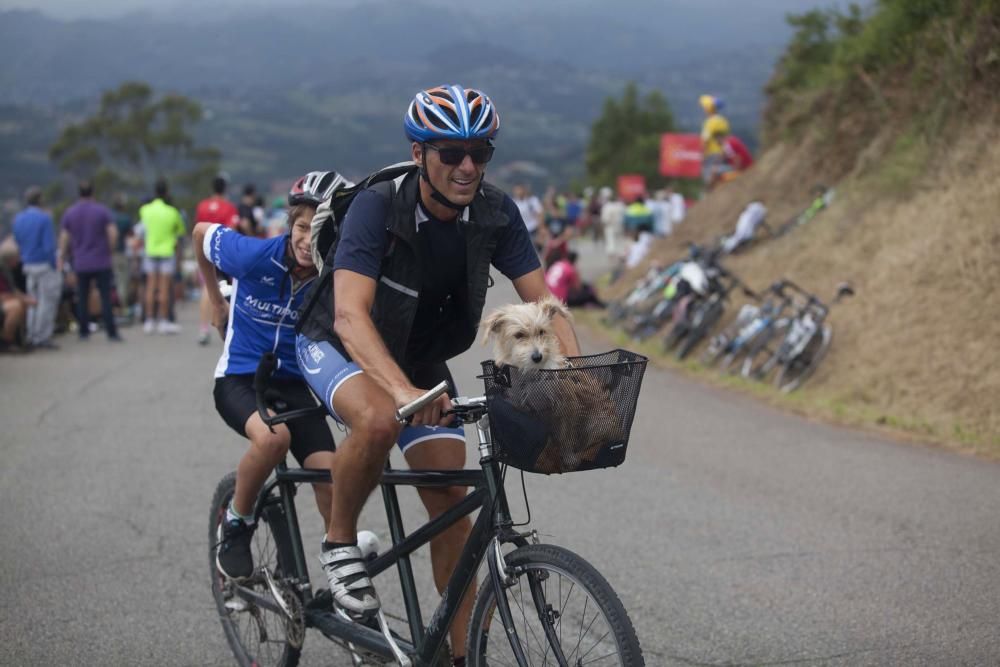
(433, 414)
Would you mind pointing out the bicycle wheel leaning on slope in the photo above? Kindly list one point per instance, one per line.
(805, 340)
(797, 369)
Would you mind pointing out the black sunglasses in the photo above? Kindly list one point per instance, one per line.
(453, 156)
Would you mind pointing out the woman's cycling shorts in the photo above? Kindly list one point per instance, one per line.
(325, 368)
(236, 402)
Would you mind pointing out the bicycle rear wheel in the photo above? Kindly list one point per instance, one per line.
(258, 634)
(558, 601)
(703, 323)
(762, 355)
(797, 370)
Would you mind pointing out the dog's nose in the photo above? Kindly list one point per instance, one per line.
(536, 356)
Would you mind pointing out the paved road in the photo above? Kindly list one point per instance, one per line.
(735, 535)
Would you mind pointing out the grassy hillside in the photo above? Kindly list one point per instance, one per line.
(914, 226)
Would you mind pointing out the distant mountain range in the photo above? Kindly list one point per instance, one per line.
(293, 88)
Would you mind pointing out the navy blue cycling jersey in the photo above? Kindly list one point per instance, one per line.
(264, 306)
(364, 242)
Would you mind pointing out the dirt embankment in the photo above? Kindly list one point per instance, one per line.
(918, 349)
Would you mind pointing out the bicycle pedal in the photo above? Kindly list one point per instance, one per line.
(237, 604)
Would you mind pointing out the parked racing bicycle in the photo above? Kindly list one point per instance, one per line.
(804, 341)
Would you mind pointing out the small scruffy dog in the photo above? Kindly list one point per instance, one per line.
(575, 405)
(523, 336)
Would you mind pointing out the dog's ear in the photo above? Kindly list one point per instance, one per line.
(552, 306)
(491, 324)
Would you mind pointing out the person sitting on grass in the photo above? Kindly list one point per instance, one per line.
(565, 283)
(14, 303)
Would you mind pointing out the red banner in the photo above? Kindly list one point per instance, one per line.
(631, 187)
(680, 155)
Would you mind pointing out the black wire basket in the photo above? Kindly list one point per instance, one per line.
(567, 419)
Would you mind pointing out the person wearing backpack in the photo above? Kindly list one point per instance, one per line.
(270, 281)
(401, 292)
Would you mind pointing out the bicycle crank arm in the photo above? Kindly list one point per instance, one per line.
(342, 628)
(276, 592)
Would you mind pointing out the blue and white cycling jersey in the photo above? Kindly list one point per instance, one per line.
(263, 308)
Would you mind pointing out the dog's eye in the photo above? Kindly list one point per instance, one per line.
(520, 335)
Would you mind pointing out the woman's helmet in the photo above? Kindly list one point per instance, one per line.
(316, 187)
(451, 112)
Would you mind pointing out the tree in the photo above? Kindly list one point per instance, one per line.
(134, 138)
(626, 137)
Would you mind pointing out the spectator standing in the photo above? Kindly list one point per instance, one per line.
(612, 221)
(88, 234)
(678, 207)
(35, 234)
(531, 212)
(638, 218)
(217, 210)
(594, 205)
(120, 257)
(662, 215)
(163, 226)
(248, 222)
(714, 131)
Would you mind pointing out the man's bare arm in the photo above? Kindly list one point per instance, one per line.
(354, 295)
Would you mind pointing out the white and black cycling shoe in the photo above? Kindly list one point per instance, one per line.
(349, 582)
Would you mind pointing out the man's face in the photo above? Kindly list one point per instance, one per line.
(457, 182)
(300, 237)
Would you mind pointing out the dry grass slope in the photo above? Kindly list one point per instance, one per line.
(918, 349)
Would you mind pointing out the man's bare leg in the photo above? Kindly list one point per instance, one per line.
(321, 461)
(369, 413)
(357, 465)
(163, 281)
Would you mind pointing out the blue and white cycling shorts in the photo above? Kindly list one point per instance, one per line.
(325, 369)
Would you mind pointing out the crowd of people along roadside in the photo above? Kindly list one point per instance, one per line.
(131, 266)
(100, 268)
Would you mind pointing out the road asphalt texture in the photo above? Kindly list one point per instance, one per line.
(734, 534)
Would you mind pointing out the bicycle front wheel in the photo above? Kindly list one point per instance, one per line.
(563, 612)
(257, 632)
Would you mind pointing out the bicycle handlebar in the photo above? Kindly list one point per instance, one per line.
(408, 410)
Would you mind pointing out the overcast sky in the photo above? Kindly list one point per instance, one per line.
(72, 9)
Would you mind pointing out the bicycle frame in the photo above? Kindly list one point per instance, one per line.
(493, 525)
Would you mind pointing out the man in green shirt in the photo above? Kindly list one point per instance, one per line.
(162, 225)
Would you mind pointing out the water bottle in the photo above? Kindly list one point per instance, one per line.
(369, 544)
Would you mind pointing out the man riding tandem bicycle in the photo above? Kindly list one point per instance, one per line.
(402, 290)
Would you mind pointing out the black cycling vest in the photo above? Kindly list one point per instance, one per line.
(398, 290)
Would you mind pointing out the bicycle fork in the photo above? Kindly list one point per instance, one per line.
(503, 577)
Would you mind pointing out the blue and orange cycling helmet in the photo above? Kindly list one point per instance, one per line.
(451, 112)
